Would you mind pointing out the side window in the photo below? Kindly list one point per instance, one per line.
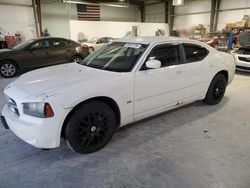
(109, 39)
(194, 52)
(168, 54)
(104, 40)
(100, 41)
(41, 45)
(59, 43)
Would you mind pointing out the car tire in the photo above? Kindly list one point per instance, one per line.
(90, 127)
(8, 69)
(216, 90)
(91, 50)
(77, 59)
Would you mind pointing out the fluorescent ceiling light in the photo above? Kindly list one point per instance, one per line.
(103, 4)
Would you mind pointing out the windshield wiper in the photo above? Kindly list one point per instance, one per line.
(95, 66)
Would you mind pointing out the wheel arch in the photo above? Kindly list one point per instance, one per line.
(224, 73)
(12, 60)
(76, 55)
(109, 101)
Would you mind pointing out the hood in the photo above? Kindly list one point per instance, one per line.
(53, 79)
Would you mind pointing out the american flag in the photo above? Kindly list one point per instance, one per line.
(88, 12)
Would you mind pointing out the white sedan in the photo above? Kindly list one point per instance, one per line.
(96, 43)
(120, 83)
(242, 58)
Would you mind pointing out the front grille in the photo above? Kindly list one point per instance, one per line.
(246, 59)
(243, 68)
(12, 105)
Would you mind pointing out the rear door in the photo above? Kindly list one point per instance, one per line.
(197, 70)
(159, 89)
(60, 51)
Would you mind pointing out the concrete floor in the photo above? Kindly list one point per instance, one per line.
(193, 147)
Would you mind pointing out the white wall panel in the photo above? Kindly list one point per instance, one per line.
(229, 4)
(192, 6)
(112, 29)
(155, 13)
(56, 16)
(20, 2)
(129, 14)
(232, 16)
(15, 19)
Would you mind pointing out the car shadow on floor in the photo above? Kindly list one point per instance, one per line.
(156, 126)
(174, 119)
(148, 129)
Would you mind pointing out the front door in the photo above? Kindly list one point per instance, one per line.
(159, 89)
(37, 55)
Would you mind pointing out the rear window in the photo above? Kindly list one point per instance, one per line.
(194, 52)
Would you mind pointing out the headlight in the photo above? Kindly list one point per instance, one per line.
(38, 109)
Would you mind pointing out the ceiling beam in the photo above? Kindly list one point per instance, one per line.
(133, 2)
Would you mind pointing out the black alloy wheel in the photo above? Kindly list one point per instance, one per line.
(91, 127)
(216, 90)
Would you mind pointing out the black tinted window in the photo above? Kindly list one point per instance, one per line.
(60, 43)
(167, 54)
(109, 39)
(194, 52)
(41, 44)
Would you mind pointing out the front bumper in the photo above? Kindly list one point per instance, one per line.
(242, 65)
(42, 135)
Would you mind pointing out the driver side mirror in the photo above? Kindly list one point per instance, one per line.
(153, 64)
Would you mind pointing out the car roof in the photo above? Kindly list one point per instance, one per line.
(154, 39)
(44, 38)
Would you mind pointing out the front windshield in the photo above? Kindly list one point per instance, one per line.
(93, 40)
(23, 45)
(117, 56)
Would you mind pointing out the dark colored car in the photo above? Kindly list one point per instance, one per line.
(37, 53)
(213, 38)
